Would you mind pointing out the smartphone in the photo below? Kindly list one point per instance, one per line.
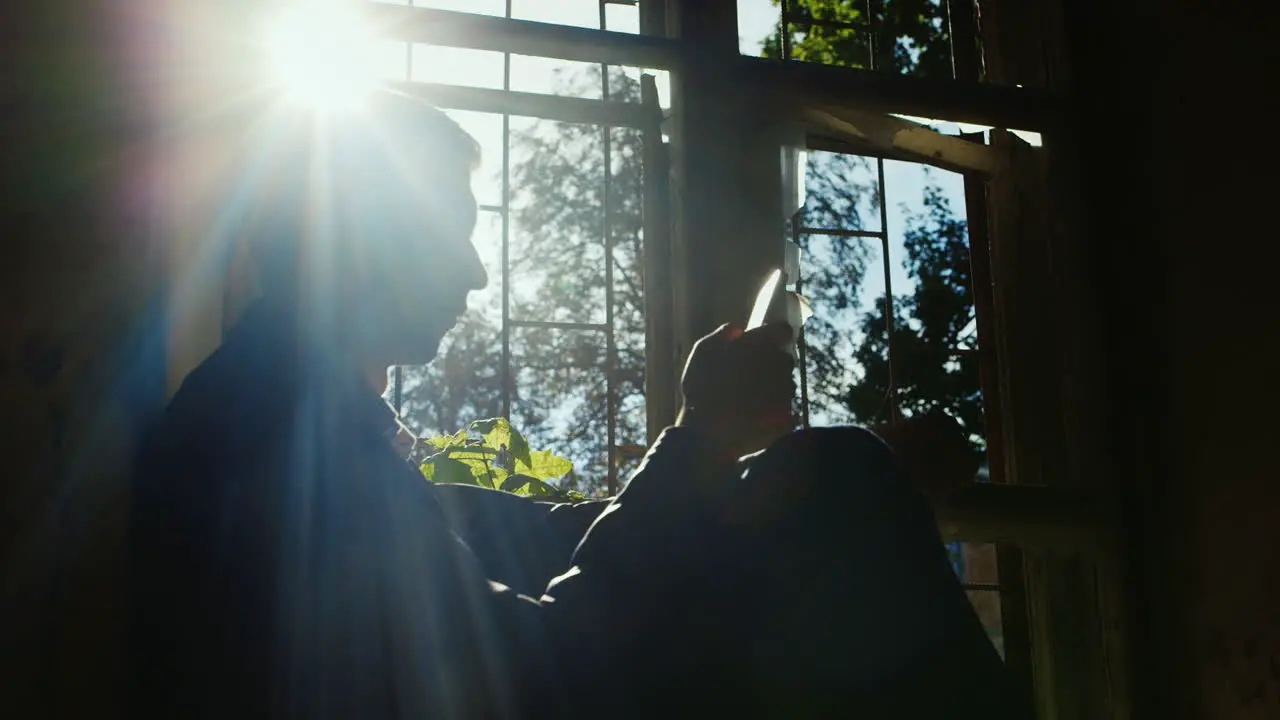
(764, 299)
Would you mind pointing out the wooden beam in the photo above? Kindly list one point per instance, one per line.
(1026, 516)
(549, 107)
(809, 85)
(903, 139)
(662, 373)
(522, 37)
(795, 84)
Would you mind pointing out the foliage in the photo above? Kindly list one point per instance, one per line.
(914, 35)
(933, 329)
(557, 269)
(933, 320)
(492, 454)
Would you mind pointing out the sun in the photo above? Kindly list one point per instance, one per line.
(321, 54)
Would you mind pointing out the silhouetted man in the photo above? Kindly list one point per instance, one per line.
(287, 561)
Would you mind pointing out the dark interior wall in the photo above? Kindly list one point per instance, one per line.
(81, 349)
(1181, 235)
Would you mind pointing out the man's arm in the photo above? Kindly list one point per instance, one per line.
(521, 543)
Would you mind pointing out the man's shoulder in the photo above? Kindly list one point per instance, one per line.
(229, 398)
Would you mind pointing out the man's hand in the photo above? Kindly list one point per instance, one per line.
(738, 388)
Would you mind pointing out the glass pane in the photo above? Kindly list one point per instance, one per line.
(551, 76)
(457, 66)
(461, 385)
(486, 128)
(557, 221)
(624, 85)
(915, 39)
(845, 356)
(908, 38)
(987, 605)
(477, 7)
(841, 192)
(581, 13)
(758, 27)
(627, 467)
(854, 13)
(626, 216)
(929, 242)
(825, 45)
(488, 243)
(622, 18)
(559, 400)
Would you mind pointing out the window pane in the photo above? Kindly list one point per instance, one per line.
(624, 85)
(626, 216)
(914, 38)
(559, 400)
(488, 243)
(936, 366)
(825, 45)
(557, 230)
(486, 128)
(845, 358)
(758, 27)
(457, 66)
(908, 38)
(854, 13)
(841, 192)
(477, 7)
(581, 13)
(622, 18)
(551, 76)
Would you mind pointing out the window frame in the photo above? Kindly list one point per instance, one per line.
(1065, 529)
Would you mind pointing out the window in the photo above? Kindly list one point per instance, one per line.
(563, 340)
(887, 267)
(906, 37)
(557, 340)
(886, 239)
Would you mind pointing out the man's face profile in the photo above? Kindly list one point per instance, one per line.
(422, 263)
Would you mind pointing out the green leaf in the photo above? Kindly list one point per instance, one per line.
(499, 435)
(519, 482)
(440, 442)
(443, 469)
(545, 465)
(477, 453)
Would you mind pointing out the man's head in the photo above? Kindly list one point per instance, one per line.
(364, 222)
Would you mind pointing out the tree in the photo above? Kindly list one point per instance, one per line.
(937, 317)
(909, 37)
(557, 261)
(558, 271)
(933, 329)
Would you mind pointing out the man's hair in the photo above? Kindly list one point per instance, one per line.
(301, 167)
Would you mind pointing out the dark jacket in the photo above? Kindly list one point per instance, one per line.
(285, 561)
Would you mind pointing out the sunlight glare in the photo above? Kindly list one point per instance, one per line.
(321, 54)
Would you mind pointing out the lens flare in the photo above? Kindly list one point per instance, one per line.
(321, 54)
